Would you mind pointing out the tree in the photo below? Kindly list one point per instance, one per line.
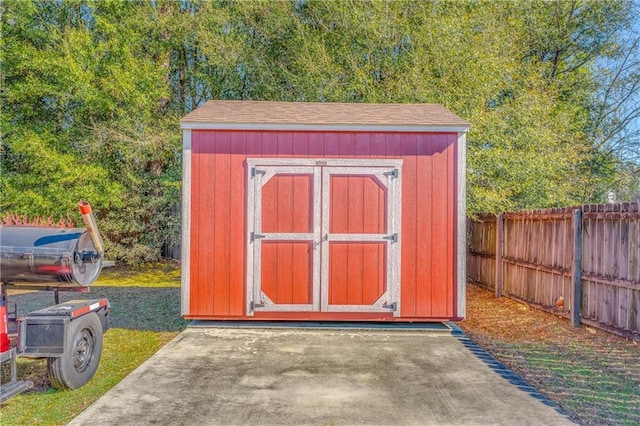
(82, 119)
(92, 92)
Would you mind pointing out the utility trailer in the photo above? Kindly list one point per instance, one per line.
(68, 335)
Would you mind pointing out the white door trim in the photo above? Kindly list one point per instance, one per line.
(388, 172)
(256, 179)
(389, 176)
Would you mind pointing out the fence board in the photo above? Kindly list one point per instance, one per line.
(538, 252)
(482, 251)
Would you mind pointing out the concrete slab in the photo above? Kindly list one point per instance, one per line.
(238, 376)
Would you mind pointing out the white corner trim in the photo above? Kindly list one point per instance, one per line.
(186, 223)
(462, 226)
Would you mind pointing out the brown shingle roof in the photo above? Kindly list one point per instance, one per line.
(256, 114)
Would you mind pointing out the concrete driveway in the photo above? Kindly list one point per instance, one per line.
(295, 376)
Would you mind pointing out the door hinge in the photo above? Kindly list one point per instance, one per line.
(393, 238)
(391, 306)
(255, 172)
(393, 173)
(255, 236)
(254, 305)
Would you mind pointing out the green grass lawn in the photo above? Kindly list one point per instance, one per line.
(145, 315)
(595, 384)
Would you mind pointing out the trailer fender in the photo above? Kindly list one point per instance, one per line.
(43, 333)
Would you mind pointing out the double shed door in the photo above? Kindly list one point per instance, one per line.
(323, 235)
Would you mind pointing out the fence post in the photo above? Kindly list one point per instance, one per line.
(499, 251)
(577, 267)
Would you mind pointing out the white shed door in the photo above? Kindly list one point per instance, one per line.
(323, 236)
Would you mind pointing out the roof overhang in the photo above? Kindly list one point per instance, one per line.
(322, 127)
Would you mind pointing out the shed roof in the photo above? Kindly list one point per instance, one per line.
(263, 115)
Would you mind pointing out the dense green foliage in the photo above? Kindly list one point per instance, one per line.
(92, 93)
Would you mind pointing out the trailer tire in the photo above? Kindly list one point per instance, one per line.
(82, 350)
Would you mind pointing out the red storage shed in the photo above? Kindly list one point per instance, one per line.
(323, 211)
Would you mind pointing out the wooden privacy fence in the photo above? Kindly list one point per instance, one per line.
(582, 263)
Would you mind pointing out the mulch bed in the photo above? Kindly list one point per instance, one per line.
(592, 375)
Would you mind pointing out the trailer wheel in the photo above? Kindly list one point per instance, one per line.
(81, 357)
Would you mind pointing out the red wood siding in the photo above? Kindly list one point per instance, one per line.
(286, 272)
(287, 266)
(218, 216)
(286, 204)
(356, 273)
(357, 206)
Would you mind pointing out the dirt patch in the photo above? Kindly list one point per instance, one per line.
(592, 375)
